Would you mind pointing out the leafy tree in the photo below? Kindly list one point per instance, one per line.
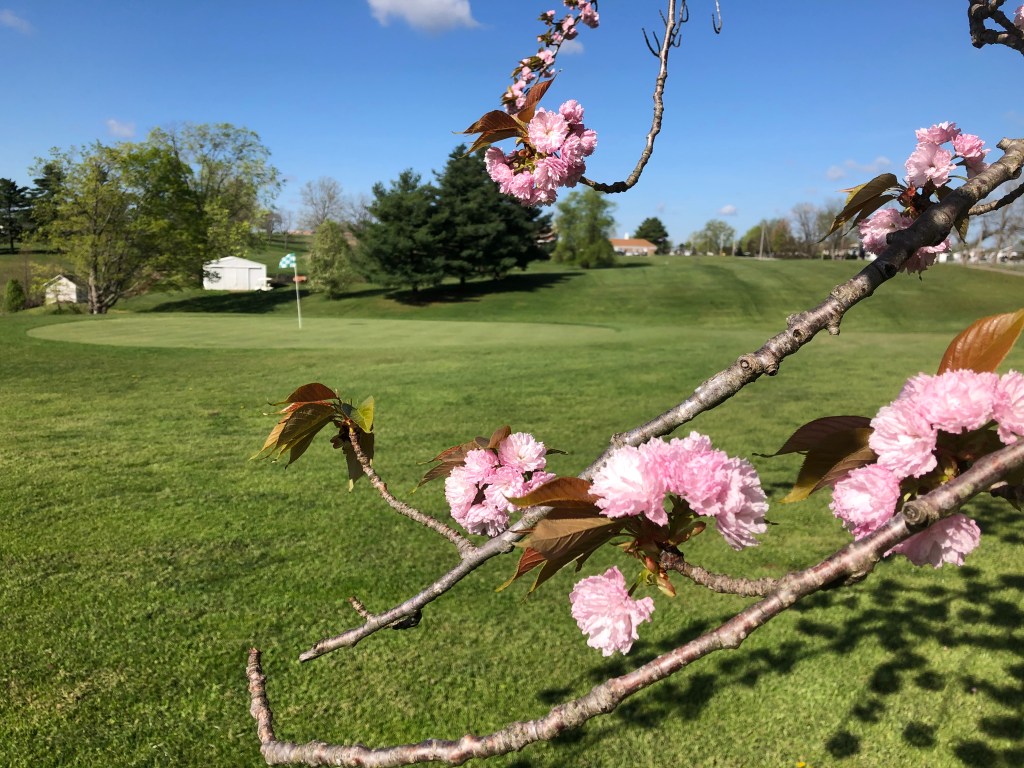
(121, 216)
(330, 268)
(715, 237)
(49, 177)
(231, 183)
(584, 224)
(14, 296)
(653, 231)
(480, 231)
(15, 206)
(399, 245)
(777, 239)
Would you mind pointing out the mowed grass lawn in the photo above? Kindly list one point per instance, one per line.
(142, 553)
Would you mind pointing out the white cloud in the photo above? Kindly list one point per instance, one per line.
(875, 167)
(570, 47)
(120, 129)
(727, 210)
(425, 15)
(11, 20)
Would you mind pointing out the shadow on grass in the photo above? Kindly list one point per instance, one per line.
(967, 608)
(475, 290)
(248, 302)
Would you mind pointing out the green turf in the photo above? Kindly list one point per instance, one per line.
(142, 554)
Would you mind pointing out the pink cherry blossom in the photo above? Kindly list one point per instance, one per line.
(547, 131)
(1018, 18)
(506, 483)
(875, 229)
(969, 146)
(937, 134)
(929, 162)
(523, 452)
(571, 111)
(460, 491)
(484, 520)
(1008, 407)
(550, 173)
(924, 257)
(605, 612)
(956, 401)
(903, 439)
(480, 465)
(588, 15)
(628, 485)
(946, 541)
(865, 498)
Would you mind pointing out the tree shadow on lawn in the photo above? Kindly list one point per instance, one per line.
(242, 302)
(451, 293)
(967, 607)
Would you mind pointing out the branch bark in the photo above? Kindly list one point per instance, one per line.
(979, 12)
(850, 564)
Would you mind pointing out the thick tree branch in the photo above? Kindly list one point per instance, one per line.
(933, 226)
(850, 564)
(979, 12)
(995, 205)
(673, 28)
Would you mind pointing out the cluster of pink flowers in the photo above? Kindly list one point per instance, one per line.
(606, 613)
(928, 167)
(1018, 18)
(905, 435)
(479, 489)
(553, 156)
(636, 481)
(541, 64)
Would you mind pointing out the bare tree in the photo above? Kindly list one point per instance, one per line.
(1000, 230)
(322, 200)
(808, 225)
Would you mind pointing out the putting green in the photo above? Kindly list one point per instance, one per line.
(274, 332)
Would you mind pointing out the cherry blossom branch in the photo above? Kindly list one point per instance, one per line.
(931, 227)
(673, 27)
(717, 582)
(979, 12)
(995, 205)
(464, 545)
(849, 565)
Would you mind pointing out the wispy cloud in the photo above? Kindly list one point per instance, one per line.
(425, 15)
(727, 210)
(120, 129)
(11, 20)
(570, 47)
(876, 166)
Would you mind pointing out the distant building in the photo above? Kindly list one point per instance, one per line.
(66, 288)
(633, 247)
(235, 274)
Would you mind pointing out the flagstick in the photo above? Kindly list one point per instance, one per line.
(298, 301)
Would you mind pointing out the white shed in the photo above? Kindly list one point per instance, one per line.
(235, 274)
(66, 287)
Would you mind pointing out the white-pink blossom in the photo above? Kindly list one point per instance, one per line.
(547, 131)
(628, 484)
(571, 111)
(937, 134)
(956, 401)
(550, 173)
(946, 541)
(1008, 407)
(875, 229)
(480, 465)
(903, 439)
(929, 162)
(605, 612)
(484, 520)
(1018, 18)
(523, 452)
(865, 498)
(588, 15)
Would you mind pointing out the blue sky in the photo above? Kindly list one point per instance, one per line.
(790, 103)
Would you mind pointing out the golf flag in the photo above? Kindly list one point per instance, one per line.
(287, 261)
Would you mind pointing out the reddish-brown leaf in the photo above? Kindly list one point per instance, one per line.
(495, 120)
(309, 393)
(533, 97)
(568, 533)
(814, 432)
(984, 344)
(832, 458)
(529, 560)
(499, 434)
(562, 493)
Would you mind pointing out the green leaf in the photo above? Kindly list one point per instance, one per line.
(361, 415)
(984, 344)
(830, 460)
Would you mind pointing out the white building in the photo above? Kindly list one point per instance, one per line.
(235, 274)
(66, 288)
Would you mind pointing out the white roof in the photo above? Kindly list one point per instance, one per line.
(232, 261)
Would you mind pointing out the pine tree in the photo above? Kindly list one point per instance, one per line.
(653, 231)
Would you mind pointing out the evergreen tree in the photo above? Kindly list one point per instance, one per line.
(330, 267)
(14, 297)
(49, 178)
(653, 231)
(482, 232)
(584, 224)
(15, 206)
(399, 245)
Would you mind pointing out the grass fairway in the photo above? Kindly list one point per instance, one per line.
(142, 555)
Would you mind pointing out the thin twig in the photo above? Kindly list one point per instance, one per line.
(995, 205)
(672, 30)
(718, 582)
(849, 565)
(464, 545)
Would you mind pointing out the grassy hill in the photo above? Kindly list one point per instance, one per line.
(142, 553)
